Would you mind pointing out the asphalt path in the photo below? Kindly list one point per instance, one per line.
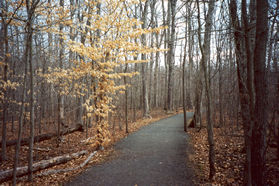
(155, 155)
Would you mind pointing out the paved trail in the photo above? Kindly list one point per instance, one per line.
(155, 155)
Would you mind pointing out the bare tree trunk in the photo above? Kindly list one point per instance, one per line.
(275, 64)
(144, 65)
(30, 8)
(198, 97)
(32, 122)
(5, 78)
(190, 58)
(205, 50)
(166, 22)
(155, 97)
(259, 129)
(170, 58)
(18, 52)
(43, 99)
(126, 100)
(278, 114)
(22, 110)
(152, 8)
(242, 88)
(183, 81)
(249, 46)
(60, 97)
(220, 91)
(198, 93)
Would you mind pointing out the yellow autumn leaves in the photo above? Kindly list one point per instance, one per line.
(105, 39)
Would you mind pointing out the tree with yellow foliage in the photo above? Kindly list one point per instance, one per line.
(109, 35)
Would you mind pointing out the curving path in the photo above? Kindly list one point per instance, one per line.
(155, 155)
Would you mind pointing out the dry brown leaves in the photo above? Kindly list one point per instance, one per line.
(229, 158)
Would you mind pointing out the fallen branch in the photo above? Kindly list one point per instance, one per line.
(21, 171)
(53, 171)
(38, 149)
(43, 137)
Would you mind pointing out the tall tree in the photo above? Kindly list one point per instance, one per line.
(205, 63)
(170, 56)
(5, 23)
(157, 57)
(30, 9)
(243, 92)
(144, 65)
(259, 129)
(126, 99)
(184, 76)
(61, 57)
(152, 23)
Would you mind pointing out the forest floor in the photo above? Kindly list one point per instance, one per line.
(229, 157)
(73, 143)
(229, 149)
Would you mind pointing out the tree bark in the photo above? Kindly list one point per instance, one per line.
(190, 58)
(242, 89)
(183, 82)
(166, 22)
(126, 100)
(205, 60)
(30, 8)
(155, 97)
(170, 56)
(60, 96)
(220, 88)
(152, 22)
(5, 102)
(259, 129)
(143, 65)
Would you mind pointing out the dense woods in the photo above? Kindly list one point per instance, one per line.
(81, 65)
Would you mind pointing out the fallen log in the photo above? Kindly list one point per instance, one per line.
(54, 171)
(21, 171)
(43, 137)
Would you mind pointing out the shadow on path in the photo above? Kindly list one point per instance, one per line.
(155, 155)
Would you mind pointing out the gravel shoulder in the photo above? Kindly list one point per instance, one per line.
(155, 155)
